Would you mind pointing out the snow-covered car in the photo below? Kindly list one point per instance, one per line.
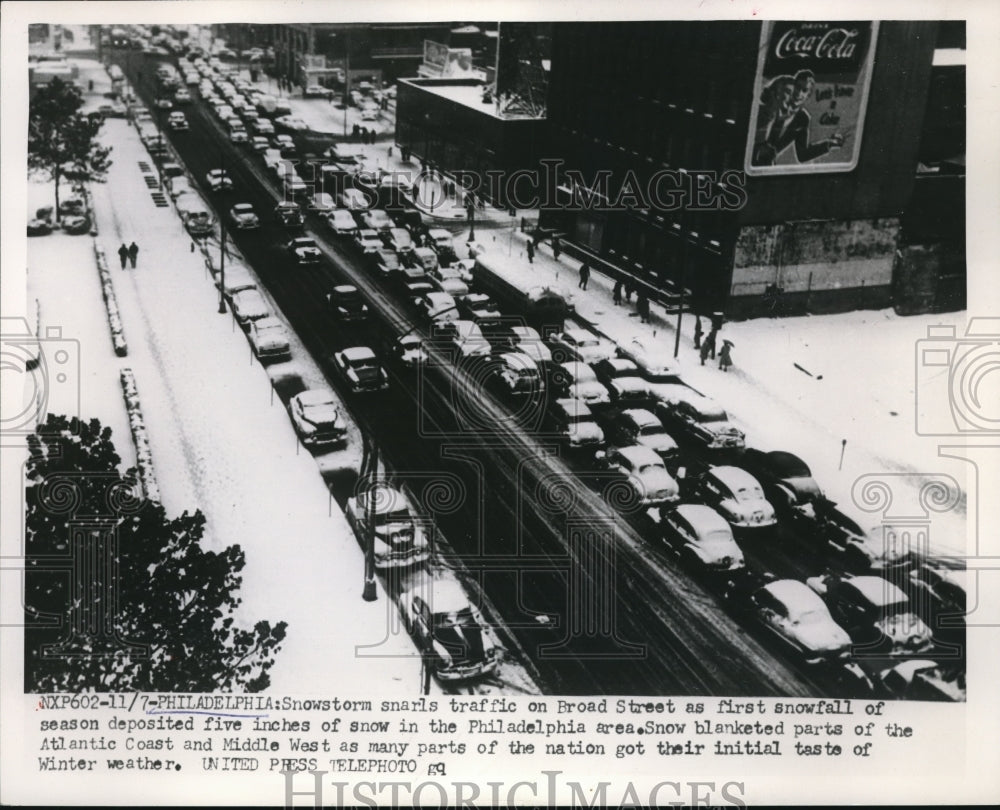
(798, 617)
(447, 279)
(629, 391)
(445, 624)
(263, 126)
(574, 423)
(341, 222)
(322, 202)
(293, 186)
(477, 307)
(259, 144)
(645, 474)
(346, 303)
(163, 103)
(244, 217)
(289, 214)
(579, 344)
(369, 114)
(360, 369)
(219, 180)
(177, 186)
(304, 250)
(249, 305)
(639, 426)
(651, 357)
(386, 518)
(37, 226)
(577, 380)
(441, 242)
(941, 594)
(316, 91)
(437, 307)
(858, 551)
(526, 340)
(461, 339)
(736, 495)
(876, 614)
(282, 142)
(317, 418)
(235, 279)
(701, 537)
(409, 350)
(376, 219)
(697, 418)
(182, 96)
(353, 200)
(398, 239)
(75, 224)
(291, 123)
(384, 262)
(427, 259)
(922, 679)
(367, 240)
(787, 481)
(269, 339)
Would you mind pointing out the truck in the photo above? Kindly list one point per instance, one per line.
(514, 289)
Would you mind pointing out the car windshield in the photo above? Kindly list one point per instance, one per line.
(304, 243)
(651, 430)
(576, 417)
(313, 409)
(243, 209)
(395, 516)
(746, 494)
(272, 330)
(461, 618)
(649, 467)
(809, 616)
(584, 341)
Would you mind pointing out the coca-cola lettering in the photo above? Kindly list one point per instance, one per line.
(837, 43)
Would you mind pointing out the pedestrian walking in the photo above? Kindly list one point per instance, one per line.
(389, 152)
(726, 355)
(133, 253)
(555, 247)
(123, 254)
(698, 331)
(629, 288)
(531, 252)
(708, 347)
(584, 276)
(616, 293)
(642, 307)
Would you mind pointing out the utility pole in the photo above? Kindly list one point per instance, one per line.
(370, 594)
(347, 76)
(222, 251)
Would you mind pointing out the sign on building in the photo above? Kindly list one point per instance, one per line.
(811, 93)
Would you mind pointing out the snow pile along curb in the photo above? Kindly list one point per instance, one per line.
(143, 456)
(110, 302)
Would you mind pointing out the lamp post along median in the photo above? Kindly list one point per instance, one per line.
(222, 253)
(370, 594)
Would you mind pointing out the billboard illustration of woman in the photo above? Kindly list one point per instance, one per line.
(812, 91)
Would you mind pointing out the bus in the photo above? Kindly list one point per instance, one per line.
(515, 290)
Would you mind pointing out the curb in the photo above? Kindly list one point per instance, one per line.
(143, 456)
(110, 302)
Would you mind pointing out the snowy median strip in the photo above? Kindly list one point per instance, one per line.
(143, 456)
(110, 302)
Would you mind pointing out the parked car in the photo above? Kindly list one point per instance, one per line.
(876, 614)
(701, 537)
(39, 227)
(244, 217)
(360, 369)
(317, 418)
(316, 91)
(283, 142)
(736, 495)
(269, 339)
(322, 202)
(787, 481)
(353, 200)
(800, 619)
(857, 551)
(384, 261)
(645, 475)
(341, 222)
(177, 185)
(573, 421)
(219, 180)
(259, 144)
(518, 373)
(577, 380)
(526, 340)
(249, 305)
(579, 344)
(442, 243)
(376, 219)
(697, 418)
(367, 240)
(304, 250)
(177, 121)
(639, 426)
(625, 387)
(451, 629)
(263, 127)
(289, 214)
(291, 122)
(346, 303)
(387, 519)
(182, 96)
(427, 259)
(651, 357)
(164, 103)
(236, 279)
(398, 239)
(477, 307)
(941, 595)
(445, 279)
(461, 340)
(75, 224)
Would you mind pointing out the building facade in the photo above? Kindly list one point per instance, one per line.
(788, 219)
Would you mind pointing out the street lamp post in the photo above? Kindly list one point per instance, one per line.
(370, 594)
(222, 252)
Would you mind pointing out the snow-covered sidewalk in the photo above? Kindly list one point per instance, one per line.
(220, 441)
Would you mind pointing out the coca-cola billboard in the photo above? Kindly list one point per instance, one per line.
(811, 93)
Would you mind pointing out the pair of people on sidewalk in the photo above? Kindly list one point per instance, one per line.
(128, 253)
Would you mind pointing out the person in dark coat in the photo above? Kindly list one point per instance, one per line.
(629, 287)
(531, 252)
(123, 254)
(698, 331)
(708, 347)
(642, 307)
(584, 276)
(725, 355)
(616, 293)
(555, 247)
(133, 253)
